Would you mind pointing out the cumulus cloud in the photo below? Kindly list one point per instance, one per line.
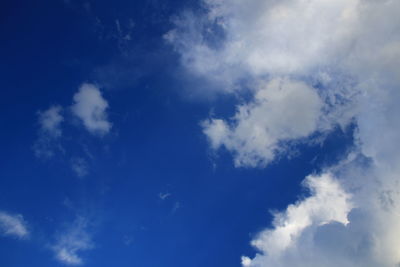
(91, 108)
(282, 110)
(13, 225)
(341, 60)
(71, 242)
(327, 204)
(367, 237)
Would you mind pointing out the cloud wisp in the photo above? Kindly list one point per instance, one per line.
(13, 225)
(71, 242)
(50, 121)
(50, 131)
(311, 66)
(80, 166)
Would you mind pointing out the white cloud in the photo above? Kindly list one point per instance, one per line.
(246, 261)
(50, 131)
(265, 42)
(365, 237)
(13, 225)
(282, 110)
(328, 203)
(164, 196)
(50, 121)
(74, 240)
(80, 166)
(90, 106)
(264, 37)
(347, 52)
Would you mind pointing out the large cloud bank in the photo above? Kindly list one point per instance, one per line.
(311, 66)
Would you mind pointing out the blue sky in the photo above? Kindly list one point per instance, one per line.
(199, 133)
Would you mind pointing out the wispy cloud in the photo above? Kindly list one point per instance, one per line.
(49, 132)
(72, 241)
(80, 166)
(164, 196)
(176, 206)
(13, 225)
(50, 121)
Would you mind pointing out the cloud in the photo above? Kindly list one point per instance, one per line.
(80, 166)
(282, 110)
(72, 241)
(164, 196)
(176, 206)
(13, 225)
(90, 107)
(267, 44)
(49, 132)
(366, 238)
(347, 53)
(327, 204)
(50, 121)
(274, 37)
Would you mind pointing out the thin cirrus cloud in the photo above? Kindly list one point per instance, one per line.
(13, 225)
(311, 65)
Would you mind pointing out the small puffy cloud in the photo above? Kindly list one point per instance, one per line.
(13, 225)
(91, 108)
(72, 241)
(282, 110)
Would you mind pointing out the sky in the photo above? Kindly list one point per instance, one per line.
(222, 133)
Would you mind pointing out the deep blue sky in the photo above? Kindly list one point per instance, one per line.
(156, 146)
